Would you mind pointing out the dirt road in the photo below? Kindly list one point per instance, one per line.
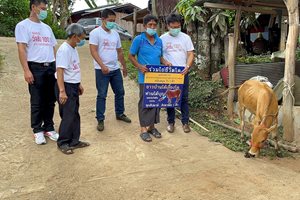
(118, 165)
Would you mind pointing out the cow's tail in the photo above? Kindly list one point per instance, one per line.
(223, 93)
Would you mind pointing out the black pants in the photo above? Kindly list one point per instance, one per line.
(69, 128)
(42, 96)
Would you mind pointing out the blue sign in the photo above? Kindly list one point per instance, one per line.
(163, 86)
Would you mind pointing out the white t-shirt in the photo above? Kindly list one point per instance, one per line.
(67, 57)
(39, 38)
(175, 48)
(108, 43)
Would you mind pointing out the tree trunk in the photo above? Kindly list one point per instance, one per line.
(288, 99)
(216, 51)
(55, 5)
(64, 13)
(204, 50)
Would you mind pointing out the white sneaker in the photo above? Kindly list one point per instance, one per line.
(52, 135)
(39, 138)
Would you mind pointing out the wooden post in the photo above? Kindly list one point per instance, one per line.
(233, 44)
(289, 71)
(283, 33)
(226, 43)
(231, 66)
(134, 21)
(154, 11)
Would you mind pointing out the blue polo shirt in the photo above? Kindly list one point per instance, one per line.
(147, 53)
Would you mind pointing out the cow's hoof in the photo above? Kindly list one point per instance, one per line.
(249, 155)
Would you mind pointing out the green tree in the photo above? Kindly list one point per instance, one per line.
(11, 12)
(91, 3)
(211, 26)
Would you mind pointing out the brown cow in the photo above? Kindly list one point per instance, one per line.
(170, 94)
(261, 101)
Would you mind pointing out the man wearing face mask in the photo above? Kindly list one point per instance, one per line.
(105, 47)
(178, 49)
(148, 48)
(36, 47)
(68, 89)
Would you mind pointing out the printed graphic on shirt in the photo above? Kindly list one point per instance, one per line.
(75, 66)
(109, 45)
(40, 40)
(174, 47)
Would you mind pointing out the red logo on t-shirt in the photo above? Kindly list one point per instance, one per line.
(39, 40)
(75, 66)
(108, 45)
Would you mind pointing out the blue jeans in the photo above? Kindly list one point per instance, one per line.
(184, 106)
(116, 82)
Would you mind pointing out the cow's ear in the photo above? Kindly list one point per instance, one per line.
(272, 128)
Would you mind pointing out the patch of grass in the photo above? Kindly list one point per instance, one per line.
(132, 71)
(1, 59)
(229, 138)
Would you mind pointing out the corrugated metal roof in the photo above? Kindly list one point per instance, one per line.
(273, 71)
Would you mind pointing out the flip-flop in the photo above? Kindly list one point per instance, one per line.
(155, 133)
(80, 145)
(146, 137)
(66, 149)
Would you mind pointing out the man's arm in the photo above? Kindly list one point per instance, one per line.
(189, 62)
(137, 65)
(61, 86)
(122, 61)
(94, 53)
(165, 62)
(23, 60)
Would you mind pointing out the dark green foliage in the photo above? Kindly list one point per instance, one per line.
(11, 12)
(254, 59)
(201, 91)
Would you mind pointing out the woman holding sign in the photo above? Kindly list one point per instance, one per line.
(148, 48)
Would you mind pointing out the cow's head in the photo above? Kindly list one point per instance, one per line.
(258, 138)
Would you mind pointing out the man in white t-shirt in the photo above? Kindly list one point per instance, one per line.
(179, 50)
(36, 47)
(68, 89)
(105, 47)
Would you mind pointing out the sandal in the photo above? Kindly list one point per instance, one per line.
(146, 137)
(66, 149)
(80, 145)
(155, 133)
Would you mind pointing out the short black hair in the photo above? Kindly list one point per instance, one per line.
(173, 18)
(106, 12)
(149, 18)
(37, 2)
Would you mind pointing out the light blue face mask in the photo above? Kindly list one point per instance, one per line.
(110, 25)
(174, 31)
(151, 31)
(42, 15)
(81, 43)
